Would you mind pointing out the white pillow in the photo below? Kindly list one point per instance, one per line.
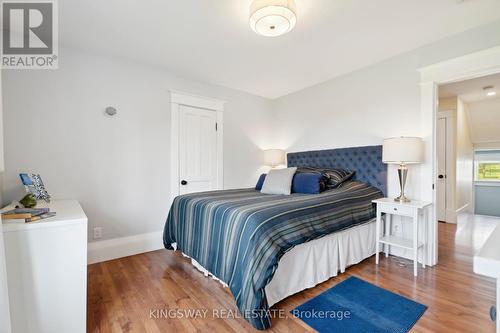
(279, 181)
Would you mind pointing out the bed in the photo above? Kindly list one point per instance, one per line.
(267, 247)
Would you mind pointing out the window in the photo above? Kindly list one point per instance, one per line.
(487, 165)
(488, 171)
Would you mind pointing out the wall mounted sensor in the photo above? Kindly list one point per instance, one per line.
(110, 111)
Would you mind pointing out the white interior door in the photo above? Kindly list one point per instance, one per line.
(441, 170)
(197, 149)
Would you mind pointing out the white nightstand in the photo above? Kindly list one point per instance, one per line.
(414, 209)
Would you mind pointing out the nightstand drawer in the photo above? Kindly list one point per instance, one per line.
(396, 209)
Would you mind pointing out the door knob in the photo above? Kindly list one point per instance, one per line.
(440, 176)
(184, 182)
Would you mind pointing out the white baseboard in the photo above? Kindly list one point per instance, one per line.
(451, 216)
(122, 247)
(462, 209)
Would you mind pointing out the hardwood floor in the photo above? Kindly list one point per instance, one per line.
(123, 294)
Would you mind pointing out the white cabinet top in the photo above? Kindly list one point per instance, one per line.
(412, 204)
(68, 212)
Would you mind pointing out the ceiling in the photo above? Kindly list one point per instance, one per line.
(472, 90)
(211, 41)
(483, 111)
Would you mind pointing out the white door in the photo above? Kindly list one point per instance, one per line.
(441, 169)
(197, 149)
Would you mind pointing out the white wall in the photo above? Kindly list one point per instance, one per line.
(484, 122)
(357, 109)
(465, 160)
(118, 168)
(488, 145)
(448, 104)
(4, 297)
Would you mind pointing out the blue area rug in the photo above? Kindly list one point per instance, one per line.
(357, 306)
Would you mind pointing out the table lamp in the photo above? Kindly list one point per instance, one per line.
(274, 157)
(402, 151)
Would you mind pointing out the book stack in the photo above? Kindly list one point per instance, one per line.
(28, 214)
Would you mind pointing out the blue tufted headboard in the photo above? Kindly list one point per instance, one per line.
(366, 161)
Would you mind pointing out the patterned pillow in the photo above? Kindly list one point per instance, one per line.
(337, 176)
(331, 178)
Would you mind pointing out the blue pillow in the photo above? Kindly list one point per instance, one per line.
(324, 177)
(308, 183)
(260, 182)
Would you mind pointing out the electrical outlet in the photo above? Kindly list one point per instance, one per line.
(97, 232)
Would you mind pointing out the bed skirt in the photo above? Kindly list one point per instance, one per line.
(314, 262)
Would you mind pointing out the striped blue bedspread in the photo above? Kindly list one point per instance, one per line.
(240, 235)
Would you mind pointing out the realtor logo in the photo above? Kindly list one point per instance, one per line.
(29, 35)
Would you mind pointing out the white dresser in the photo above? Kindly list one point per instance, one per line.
(487, 263)
(47, 270)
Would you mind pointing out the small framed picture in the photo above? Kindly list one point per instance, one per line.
(34, 185)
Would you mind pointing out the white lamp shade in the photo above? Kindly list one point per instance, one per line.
(272, 17)
(274, 157)
(403, 150)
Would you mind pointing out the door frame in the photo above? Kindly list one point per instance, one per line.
(177, 99)
(470, 66)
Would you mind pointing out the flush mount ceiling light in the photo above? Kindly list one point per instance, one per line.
(272, 18)
(489, 91)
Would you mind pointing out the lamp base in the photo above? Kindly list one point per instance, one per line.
(402, 198)
(402, 175)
